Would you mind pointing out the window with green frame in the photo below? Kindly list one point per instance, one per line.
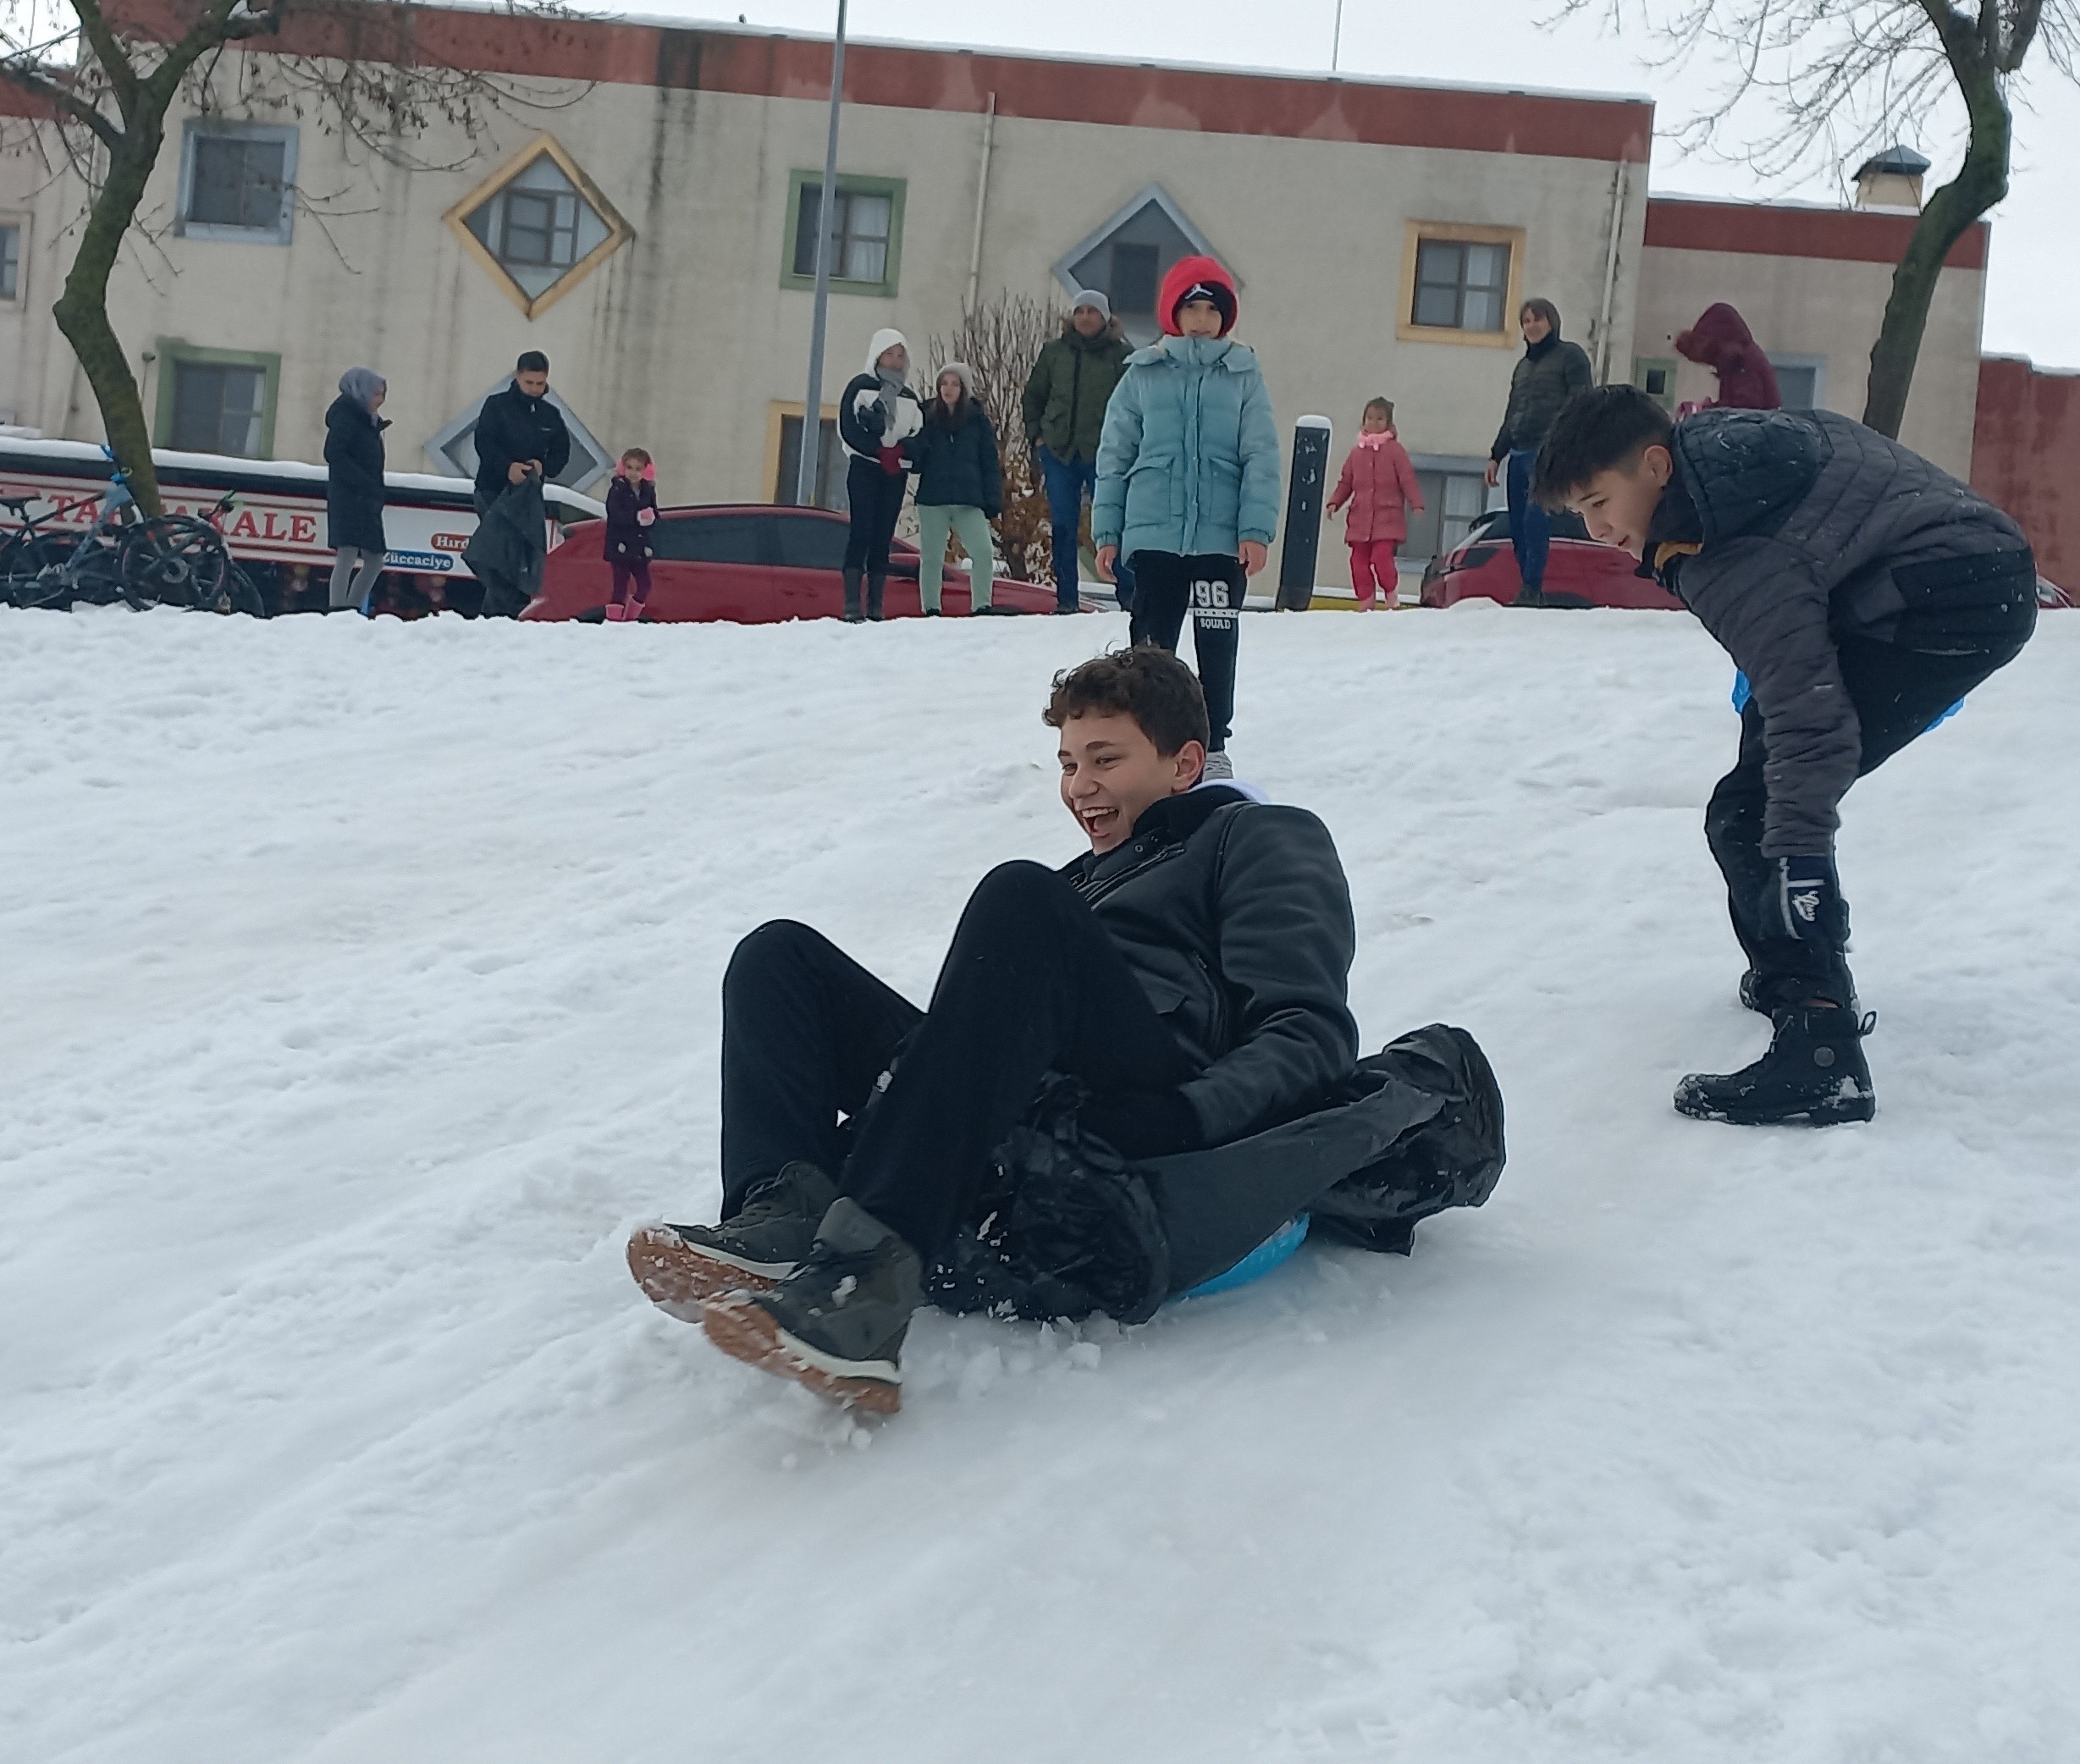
(216, 401)
(866, 232)
(1655, 376)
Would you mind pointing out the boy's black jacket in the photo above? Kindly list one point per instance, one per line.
(1787, 532)
(1236, 917)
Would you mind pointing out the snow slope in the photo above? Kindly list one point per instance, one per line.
(363, 995)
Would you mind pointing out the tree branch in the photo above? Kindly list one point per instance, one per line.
(60, 97)
(108, 51)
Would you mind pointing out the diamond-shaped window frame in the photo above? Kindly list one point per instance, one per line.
(619, 232)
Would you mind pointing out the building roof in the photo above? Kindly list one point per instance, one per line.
(1797, 230)
(1130, 94)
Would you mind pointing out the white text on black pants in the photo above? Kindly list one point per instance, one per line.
(1210, 586)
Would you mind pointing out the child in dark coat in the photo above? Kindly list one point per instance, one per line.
(632, 512)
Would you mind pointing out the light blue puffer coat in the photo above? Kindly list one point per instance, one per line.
(1188, 460)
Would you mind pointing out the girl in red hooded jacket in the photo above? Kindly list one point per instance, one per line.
(1378, 483)
(1721, 341)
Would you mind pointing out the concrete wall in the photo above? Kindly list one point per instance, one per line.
(1817, 287)
(2027, 458)
(685, 340)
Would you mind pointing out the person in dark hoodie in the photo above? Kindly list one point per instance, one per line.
(519, 432)
(1721, 341)
(1072, 382)
(878, 413)
(960, 487)
(1551, 372)
(1190, 969)
(354, 488)
(1861, 592)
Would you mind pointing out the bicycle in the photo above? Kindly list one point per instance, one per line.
(144, 560)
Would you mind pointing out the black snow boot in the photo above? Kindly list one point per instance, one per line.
(835, 1323)
(877, 586)
(1814, 1075)
(679, 1266)
(853, 613)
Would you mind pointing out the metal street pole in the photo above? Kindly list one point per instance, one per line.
(826, 207)
(1336, 42)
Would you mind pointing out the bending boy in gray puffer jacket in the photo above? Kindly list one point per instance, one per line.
(1862, 591)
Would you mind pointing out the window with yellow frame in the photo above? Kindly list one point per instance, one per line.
(1460, 284)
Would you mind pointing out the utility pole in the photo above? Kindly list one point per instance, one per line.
(1336, 42)
(826, 211)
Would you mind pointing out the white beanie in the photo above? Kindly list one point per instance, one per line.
(1093, 298)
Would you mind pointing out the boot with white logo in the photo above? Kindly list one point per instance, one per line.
(1814, 1075)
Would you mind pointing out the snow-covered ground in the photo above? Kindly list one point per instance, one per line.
(361, 994)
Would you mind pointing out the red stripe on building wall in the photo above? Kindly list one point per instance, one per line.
(1142, 96)
(2026, 459)
(1849, 235)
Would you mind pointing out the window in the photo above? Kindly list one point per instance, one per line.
(1459, 283)
(238, 181)
(1455, 497)
(453, 448)
(831, 465)
(1460, 286)
(1126, 258)
(1655, 376)
(710, 539)
(538, 225)
(807, 543)
(1801, 381)
(216, 401)
(10, 261)
(866, 232)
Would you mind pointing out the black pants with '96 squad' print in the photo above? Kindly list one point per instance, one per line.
(1209, 587)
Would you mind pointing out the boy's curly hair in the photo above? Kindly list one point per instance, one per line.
(1146, 683)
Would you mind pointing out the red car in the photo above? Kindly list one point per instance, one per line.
(748, 564)
(1579, 571)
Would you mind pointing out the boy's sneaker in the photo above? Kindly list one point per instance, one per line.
(1219, 765)
(835, 1323)
(1814, 1075)
(680, 1266)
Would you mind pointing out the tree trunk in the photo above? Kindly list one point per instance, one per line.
(1981, 181)
(82, 309)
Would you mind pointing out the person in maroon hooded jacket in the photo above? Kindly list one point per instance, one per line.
(1721, 341)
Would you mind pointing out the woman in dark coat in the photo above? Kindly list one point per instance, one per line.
(1550, 372)
(354, 485)
(960, 487)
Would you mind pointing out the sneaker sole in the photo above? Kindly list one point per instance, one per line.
(745, 1331)
(679, 1278)
(1831, 1115)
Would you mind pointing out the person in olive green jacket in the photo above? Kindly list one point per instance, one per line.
(1065, 398)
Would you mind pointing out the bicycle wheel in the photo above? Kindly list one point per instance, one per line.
(241, 595)
(94, 571)
(175, 560)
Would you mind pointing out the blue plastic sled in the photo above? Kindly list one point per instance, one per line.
(1277, 1247)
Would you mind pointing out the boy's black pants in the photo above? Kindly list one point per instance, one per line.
(1898, 693)
(1032, 985)
(1210, 586)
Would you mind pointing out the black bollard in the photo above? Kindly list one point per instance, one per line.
(1303, 498)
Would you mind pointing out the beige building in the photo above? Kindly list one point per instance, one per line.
(638, 212)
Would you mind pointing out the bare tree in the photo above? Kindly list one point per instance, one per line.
(106, 79)
(1001, 339)
(1849, 76)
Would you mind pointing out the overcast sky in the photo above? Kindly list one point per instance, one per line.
(2036, 245)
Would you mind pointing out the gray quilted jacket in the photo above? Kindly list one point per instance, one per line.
(1785, 533)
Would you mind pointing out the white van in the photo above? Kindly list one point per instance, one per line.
(277, 530)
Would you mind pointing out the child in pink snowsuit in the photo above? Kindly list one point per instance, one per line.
(1378, 483)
